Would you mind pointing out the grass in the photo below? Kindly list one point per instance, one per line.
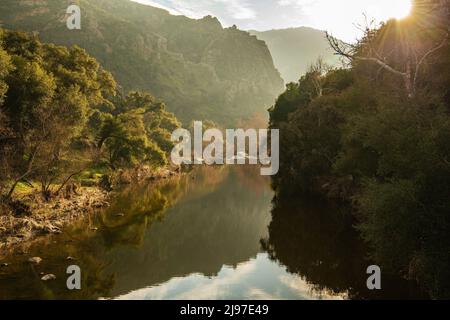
(23, 189)
(88, 178)
(91, 176)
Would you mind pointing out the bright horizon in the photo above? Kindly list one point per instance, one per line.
(329, 15)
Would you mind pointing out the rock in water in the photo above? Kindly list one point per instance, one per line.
(35, 260)
(48, 277)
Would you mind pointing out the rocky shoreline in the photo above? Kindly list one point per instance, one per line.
(51, 217)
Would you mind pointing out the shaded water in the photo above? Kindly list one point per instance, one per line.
(216, 234)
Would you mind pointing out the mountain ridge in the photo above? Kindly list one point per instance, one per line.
(295, 49)
(200, 69)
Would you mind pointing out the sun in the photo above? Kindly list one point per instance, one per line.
(399, 9)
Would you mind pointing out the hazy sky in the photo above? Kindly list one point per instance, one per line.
(337, 16)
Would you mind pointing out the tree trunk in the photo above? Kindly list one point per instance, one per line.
(16, 182)
(66, 181)
(409, 82)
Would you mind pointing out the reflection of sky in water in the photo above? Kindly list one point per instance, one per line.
(256, 279)
(207, 243)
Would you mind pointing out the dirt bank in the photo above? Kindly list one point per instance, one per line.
(48, 217)
(45, 218)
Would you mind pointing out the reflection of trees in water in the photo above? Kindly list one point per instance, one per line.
(217, 222)
(124, 223)
(23, 280)
(136, 208)
(213, 217)
(214, 220)
(316, 241)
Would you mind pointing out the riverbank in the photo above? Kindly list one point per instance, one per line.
(50, 217)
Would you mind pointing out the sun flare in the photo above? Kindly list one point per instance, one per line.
(400, 9)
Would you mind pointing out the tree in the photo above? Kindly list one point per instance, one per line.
(402, 54)
(316, 73)
(50, 92)
(5, 68)
(137, 131)
(382, 150)
(5, 131)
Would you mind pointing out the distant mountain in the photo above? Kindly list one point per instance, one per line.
(293, 50)
(201, 70)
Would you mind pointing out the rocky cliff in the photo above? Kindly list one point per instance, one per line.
(200, 69)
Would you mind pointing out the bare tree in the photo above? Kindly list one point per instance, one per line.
(318, 70)
(409, 72)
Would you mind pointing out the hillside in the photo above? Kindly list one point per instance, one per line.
(294, 49)
(200, 69)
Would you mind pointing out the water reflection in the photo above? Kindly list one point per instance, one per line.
(215, 234)
(219, 221)
(316, 240)
(258, 279)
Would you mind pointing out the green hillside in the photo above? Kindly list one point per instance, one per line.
(200, 69)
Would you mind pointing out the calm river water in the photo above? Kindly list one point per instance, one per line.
(218, 233)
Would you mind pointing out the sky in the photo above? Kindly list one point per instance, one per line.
(340, 17)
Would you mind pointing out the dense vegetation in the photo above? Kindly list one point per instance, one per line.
(60, 116)
(294, 49)
(377, 134)
(201, 70)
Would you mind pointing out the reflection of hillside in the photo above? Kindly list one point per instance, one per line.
(127, 220)
(190, 228)
(316, 240)
(203, 181)
(136, 208)
(250, 178)
(221, 224)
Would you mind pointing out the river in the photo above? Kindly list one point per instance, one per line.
(217, 233)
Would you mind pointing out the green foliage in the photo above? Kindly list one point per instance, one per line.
(137, 130)
(49, 92)
(309, 149)
(310, 127)
(5, 68)
(392, 220)
(61, 114)
(201, 70)
(365, 141)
